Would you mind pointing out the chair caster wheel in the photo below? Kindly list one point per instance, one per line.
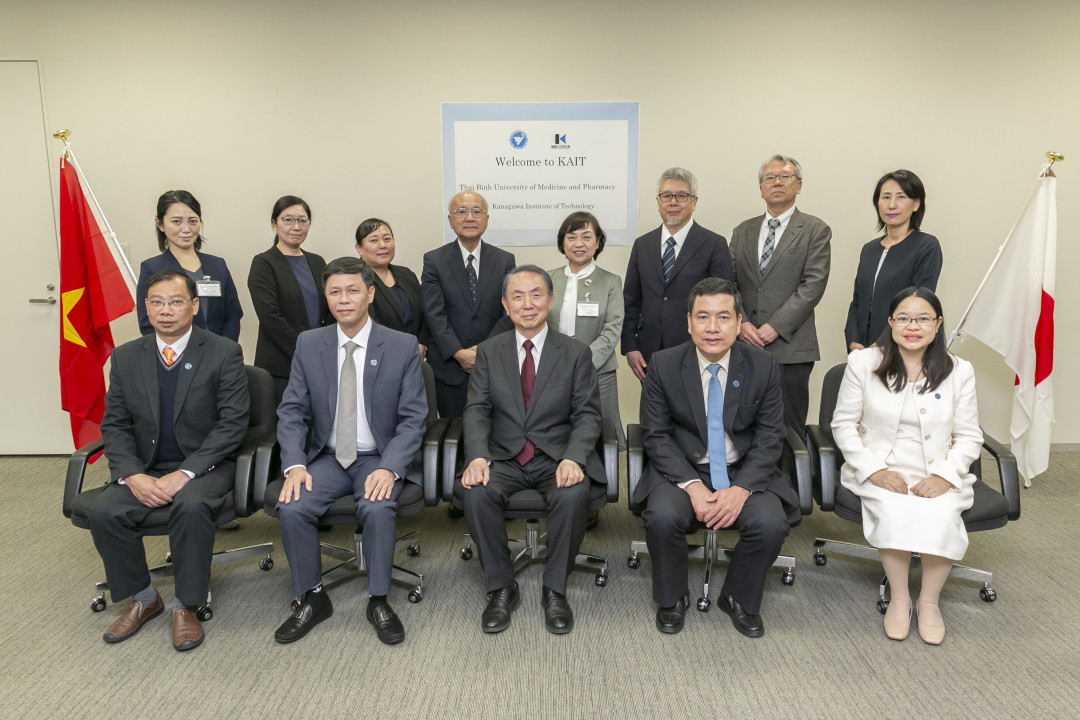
(882, 605)
(633, 562)
(205, 613)
(266, 564)
(415, 596)
(987, 594)
(703, 604)
(820, 559)
(98, 604)
(466, 553)
(413, 550)
(788, 578)
(600, 580)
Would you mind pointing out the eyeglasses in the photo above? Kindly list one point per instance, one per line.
(289, 221)
(466, 212)
(681, 197)
(174, 304)
(922, 321)
(772, 177)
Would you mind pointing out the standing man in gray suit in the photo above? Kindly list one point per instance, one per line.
(532, 421)
(359, 386)
(781, 262)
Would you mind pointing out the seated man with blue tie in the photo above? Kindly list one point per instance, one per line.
(712, 417)
(359, 386)
(175, 414)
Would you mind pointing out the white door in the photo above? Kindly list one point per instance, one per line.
(31, 421)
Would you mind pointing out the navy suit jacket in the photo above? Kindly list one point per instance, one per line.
(655, 311)
(454, 321)
(385, 310)
(219, 315)
(395, 400)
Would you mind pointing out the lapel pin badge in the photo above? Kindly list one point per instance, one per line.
(735, 383)
(187, 366)
(588, 282)
(937, 396)
(374, 362)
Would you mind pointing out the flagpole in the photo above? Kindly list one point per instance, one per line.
(1045, 172)
(70, 156)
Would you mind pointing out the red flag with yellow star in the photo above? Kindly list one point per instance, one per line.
(92, 294)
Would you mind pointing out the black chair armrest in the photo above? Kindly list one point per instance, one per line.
(266, 468)
(608, 446)
(635, 463)
(433, 438)
(244, 477)
(1007, 471)
(820, 445)
(77, 470)
(804, 482)
(452, 449)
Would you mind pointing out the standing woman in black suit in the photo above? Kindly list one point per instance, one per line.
(285, 283)
(179, 234)
(904, 257)
(398, 303)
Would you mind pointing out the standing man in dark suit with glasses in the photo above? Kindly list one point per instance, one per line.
(664, 265)
(461, 282)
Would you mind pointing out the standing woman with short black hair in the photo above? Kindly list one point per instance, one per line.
(179, 234)
(285, 283)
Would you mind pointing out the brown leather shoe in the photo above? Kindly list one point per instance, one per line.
(133, 618)
(187, 632)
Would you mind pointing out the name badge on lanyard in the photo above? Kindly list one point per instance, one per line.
(207, 287)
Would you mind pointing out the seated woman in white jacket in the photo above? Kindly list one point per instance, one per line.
(907, 423)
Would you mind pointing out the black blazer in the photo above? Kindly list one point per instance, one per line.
(655, 313)
(279, 304)
(454, 321)
(915, 261)
(384, 308)
(219, 315)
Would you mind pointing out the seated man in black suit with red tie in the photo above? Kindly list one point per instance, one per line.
(712, 416)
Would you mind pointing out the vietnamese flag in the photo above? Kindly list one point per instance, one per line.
(92, 294)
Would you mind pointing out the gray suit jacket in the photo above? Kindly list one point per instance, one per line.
(794, 281)
(394, 397)
(563, 419)
(210, 410)
(600, 333)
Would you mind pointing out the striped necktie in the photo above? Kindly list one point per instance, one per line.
(669, 259)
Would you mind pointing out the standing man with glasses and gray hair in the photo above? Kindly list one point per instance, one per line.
(664, 265)
(460, 283)
(781, 262)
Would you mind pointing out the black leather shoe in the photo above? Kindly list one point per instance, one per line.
(387, 626)
(314, 608)
(749, 625)
(454, 512)
(670, 619)
(558, 617)
(501, 605)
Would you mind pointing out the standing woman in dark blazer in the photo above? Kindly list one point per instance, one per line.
(285, 283)
(904, 257)
(398, 303)
(179, 233)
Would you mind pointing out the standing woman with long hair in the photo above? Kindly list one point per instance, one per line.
(179, 233)
(907, 422)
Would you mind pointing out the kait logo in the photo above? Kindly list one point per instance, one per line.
(560, 139)
(518, 139)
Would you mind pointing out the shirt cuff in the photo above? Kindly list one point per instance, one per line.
(687, 483)
(286, 470)
(190, 475)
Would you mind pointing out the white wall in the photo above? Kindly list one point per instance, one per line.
(243, 101)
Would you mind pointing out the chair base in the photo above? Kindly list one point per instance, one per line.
(352, 562)
(534, 548)
(963, 572)
(709, 552)
(165, 570)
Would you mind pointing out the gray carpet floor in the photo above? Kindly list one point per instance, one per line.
(824, 654)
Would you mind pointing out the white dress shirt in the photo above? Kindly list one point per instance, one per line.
(706, 377)
(568, 311)
(365, 441)
(476, 256)
(784, 218)
(538, 347)
(680, 238)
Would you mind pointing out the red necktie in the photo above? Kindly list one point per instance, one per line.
(170, 355)
(528, 377)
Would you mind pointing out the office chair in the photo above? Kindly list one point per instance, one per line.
(262, 419)
(794, 463)
(990, 509)
(530, 505)
(413, 498)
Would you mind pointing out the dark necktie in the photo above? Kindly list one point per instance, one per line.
(345, 436)
(471, 272)
(770, 244)
(528, 377)
(669, 259)
(717, 448)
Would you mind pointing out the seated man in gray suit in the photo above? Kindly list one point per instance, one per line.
(531, 421)
(712, 418)
(359, 386)
(781, 261)
(175, 413)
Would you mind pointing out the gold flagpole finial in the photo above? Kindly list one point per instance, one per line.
(62, 135)
(1054, 157)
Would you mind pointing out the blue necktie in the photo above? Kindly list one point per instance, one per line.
(717, 448)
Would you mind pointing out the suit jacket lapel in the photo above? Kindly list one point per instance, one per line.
(733, 391)
(148, 360)
(654, 258)
(791, 234)
(329, 362)
(691, 378)
(372, 363)
(549, 359)
(193, 355)
(508, 360)
(691, 245)
(389, 300)
(484, 280)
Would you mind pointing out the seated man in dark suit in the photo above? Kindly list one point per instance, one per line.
(532, 421)
(360, 387)
(175, 414)
(712, 416)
